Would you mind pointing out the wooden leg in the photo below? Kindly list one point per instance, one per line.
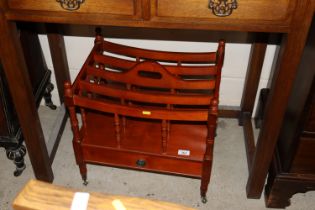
(77, 142)
(281, 186)
(256, 61)
(83, 172)
(205, 179)
(249, 139)
(23, 99)
(208, 156)
(279, 192)
(289, 58)
(59, 59)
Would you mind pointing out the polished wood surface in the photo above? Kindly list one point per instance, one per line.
(255, 65)
(21, 91)
(294, 28)
(293, 166)
(59, 59)
(305, 156)
(190, 14)
(247, 10)
(147, 106)
(61, 198)
(288, 62)
(109, 7)
(11, 136)
(252, 79)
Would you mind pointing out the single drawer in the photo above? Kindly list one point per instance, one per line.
(266, 10)
(310, 122)
(110, 7)
(141, 161)
(304, 159)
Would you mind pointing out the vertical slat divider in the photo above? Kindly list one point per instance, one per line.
(102, 68)
(83, 115)
(129, 88)
(164, 135)
(117, 129)
(123, 102)
(93, 95)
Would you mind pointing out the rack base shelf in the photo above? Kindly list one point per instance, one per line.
(138, 142)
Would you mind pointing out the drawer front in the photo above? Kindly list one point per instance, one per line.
(310, 123)
(111, 7)
(246, 10)
(304, 160)
(145, 162)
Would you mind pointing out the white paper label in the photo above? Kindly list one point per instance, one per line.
(80, 201)
(183, 152)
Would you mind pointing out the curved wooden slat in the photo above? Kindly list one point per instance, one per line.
(167, 81)
(162, 98)
(133, 111)
(202, 57)
(178, 70)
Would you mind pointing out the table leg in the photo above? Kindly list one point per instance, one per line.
(23, 99)
(256, 61)
(60, 62)
(289, 57)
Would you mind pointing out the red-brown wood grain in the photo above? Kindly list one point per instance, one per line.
(141, 113)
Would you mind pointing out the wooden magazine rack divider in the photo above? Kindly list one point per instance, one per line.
(147, 110)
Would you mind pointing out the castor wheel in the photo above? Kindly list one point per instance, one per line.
(204, 199)
(85, 182)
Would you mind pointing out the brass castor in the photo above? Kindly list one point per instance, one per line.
(204, 199)
(85, 182)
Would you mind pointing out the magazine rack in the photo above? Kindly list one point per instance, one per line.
(147, 110)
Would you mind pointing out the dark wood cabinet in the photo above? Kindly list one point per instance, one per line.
(11, 137)
(293, 167)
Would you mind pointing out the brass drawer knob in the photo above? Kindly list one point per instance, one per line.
(70, 4)
(222, 8)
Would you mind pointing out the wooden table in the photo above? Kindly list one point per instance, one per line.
(291, 18)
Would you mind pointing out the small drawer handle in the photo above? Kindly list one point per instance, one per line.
(141, 163)
(70, 4)
(222, 8)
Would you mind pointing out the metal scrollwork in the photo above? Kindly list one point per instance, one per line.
(70, 4)
(222, 8)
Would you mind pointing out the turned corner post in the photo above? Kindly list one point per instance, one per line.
(212, 125)
(212, 119)
(208, 156)
(219, 64)
(76, 130)
(70, 104)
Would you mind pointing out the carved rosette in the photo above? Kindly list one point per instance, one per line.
(222, 8)
(70, 4)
